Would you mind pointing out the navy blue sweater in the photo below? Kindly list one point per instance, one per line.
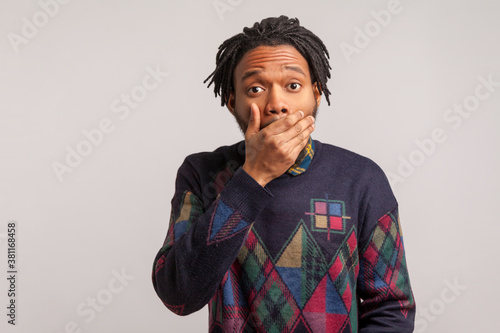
(318, 250)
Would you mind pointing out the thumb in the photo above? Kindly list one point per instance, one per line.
(254, 120)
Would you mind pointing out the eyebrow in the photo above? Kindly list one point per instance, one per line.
(258, 71)
(250, 73)
(296, 69)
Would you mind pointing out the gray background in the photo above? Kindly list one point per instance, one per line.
(110, 214)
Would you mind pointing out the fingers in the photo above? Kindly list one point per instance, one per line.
(291, 130)
(301, 143)
(300, 131)
(254, 120)
(272, 150)
(303, 124)
(283, 124)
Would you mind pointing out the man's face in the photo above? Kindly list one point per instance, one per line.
(277, 79)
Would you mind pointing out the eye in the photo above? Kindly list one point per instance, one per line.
(294, 86)
(255, 90)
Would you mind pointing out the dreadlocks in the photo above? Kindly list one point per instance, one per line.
(271, 31)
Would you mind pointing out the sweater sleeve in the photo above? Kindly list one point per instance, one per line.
(386, 300)
(388, 304)
(202, 244)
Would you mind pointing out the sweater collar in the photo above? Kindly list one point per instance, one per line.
(304, 159)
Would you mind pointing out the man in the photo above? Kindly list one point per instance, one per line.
(282, 233)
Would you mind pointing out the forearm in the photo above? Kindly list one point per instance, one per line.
(189, 268)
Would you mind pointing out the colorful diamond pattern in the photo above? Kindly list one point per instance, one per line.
(386, 265)
(225, 223)
(274, 308)
(297, 288)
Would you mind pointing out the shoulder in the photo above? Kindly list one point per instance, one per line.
(203, 167)
(349, 164)
(233, 154)
(362, 175)
(358, 173)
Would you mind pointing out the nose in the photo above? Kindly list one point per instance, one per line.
(276, 106)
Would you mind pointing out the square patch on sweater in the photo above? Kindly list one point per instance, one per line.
(328, 216)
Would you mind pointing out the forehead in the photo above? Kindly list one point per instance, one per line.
(270, 58)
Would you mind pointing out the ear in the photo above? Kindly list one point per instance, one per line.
(231, 102)
(316, 93)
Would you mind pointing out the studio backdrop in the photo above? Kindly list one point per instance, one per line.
(102, 100)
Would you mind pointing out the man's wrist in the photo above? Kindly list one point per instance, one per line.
(263, 181)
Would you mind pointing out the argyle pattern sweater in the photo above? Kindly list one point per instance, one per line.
(319, 249)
